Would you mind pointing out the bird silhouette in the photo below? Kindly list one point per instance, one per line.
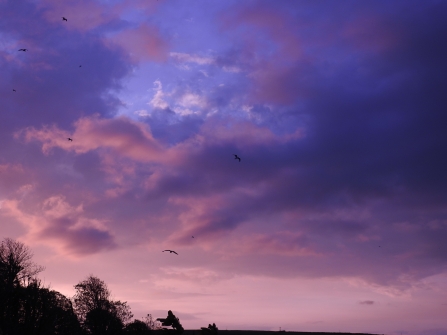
(64, 19)
(23, 49)
(14, 90)
(171, 251)
(237, 157)
(70, 139)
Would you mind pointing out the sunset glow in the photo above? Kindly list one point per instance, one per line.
(334, 219)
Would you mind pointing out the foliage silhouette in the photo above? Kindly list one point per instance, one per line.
(45, 311)
(96, 312)
(137, 327)
(151, 323)
(15, 263)
(16, 269)
(101, 321)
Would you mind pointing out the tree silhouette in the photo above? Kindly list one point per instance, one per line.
(44, 311)
(15, 263)
(16, 269)
(151, 323)
(103, 322)
(91, 293)
(137, 327)
(96, 312)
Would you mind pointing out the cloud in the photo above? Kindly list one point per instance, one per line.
(193, 275)
(143, 43)
(126, 137)
(187, 58)
(65, 227)
(158, 99)
(366, 302)
(13, 177)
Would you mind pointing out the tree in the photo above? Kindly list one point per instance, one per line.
(15, 263)
(96, 312)
(151, 323)
(137, 327)
(91, 293)
(103, 322)
(44, 311)
(16, 268)
(122, 311)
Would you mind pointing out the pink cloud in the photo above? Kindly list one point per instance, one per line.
(194, 275)
(371, 33)
(62, 226)
(280, 28)
(124, 138)
(277, 76)
(284, 243)
(12, 177)
(281, 85)
(199, 218)
(121, 135)
(244, 133)
(143, 43)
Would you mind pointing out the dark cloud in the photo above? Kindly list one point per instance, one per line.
(51, 87)
(80, 242)
(366, 302)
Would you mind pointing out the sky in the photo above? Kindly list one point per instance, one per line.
(335, 219)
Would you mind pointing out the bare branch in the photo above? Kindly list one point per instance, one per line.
(16, 266)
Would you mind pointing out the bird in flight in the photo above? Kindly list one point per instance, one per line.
(171, 251)
(14, 90)
(64, 19)
(23, 49)
(237, 157)
(70, 139)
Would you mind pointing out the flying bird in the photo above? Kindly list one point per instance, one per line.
(23, 49)
(70, 139)
(237, 157)
(64, 19)
(171, 251)
(14, 90)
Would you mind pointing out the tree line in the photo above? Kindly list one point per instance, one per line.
(27, 307)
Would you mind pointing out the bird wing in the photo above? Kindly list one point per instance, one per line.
(175, 252)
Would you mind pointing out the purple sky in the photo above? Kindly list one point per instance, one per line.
(336, 216)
